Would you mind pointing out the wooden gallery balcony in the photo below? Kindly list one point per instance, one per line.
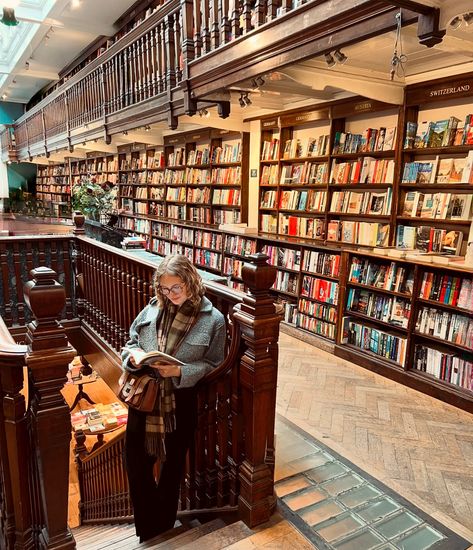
(96, 291)
(188, 54)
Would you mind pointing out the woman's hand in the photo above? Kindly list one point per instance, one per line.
(166, 370)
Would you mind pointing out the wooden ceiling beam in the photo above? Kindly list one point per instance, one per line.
(416, 7)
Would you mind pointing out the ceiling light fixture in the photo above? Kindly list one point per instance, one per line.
(75, 4)
(204, 113)
(399, 59)
(147, 128)
(329, 60)
(9, 18)
(27, 66)
(125, 132)
(468, 18)
(244, 100)
(456, 22)
(340, 57)
(4, 96)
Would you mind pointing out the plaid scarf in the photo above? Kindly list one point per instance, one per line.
(172, 327)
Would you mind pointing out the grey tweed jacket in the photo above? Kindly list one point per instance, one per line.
(202, 350)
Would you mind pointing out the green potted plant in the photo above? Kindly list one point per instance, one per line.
(95, 200)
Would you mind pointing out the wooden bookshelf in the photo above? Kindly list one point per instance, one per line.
(53, 185)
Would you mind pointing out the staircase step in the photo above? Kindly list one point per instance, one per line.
(190, 536)
(222, 538)
(102, 535)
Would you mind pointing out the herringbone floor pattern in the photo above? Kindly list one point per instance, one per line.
(415, 444)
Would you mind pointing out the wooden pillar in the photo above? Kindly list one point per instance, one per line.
(16, 501)
(49, 354)
(258, 376)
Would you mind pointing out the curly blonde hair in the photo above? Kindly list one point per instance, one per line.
(179, 266)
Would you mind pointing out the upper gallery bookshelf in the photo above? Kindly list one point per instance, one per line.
(436, 192)
(328, 174)
(53, 184)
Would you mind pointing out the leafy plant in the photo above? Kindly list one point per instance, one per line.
(93, 199)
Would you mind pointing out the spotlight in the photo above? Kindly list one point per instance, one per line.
(75, 4)
(204, 112)
(247, 99)
(244, 100)
(147, 128)
(329, 60)
(456, 22)
(9, 18)
(259, 81)
(340, 57)
(27, 66)
(125, 132)
(4, 96)
(241, 101)
(468, 18)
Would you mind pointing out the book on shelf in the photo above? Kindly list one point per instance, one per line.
(460, 206)
(405, 237)
(389, 138)
(451, 242)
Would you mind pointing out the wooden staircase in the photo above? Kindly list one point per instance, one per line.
(212, 535)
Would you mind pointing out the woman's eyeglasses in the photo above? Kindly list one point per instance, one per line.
(175, 290)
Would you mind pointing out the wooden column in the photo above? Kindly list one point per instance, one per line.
(258, 375)
(16, 501)
(49, 354)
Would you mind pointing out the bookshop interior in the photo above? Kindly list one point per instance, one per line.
(339, 146)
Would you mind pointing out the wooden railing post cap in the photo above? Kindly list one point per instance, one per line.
(44, 295)
(258, 275)
(79, 221)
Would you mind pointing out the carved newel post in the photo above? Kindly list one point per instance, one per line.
(79, 221)
(258, 376)
(49, 354)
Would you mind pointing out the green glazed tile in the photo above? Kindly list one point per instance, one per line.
(378, 509)
(365, 540)
(339, 527)
(395, 526)
(420, 539)
(359, 495)
(326, 472)
(341, 484)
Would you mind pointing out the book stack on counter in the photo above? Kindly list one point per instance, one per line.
(132, 243)
(100, 417)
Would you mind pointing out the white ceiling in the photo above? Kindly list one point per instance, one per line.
(51, 34)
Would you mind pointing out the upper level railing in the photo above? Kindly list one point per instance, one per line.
(232, 461)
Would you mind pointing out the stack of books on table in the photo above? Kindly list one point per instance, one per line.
(131, 243)
(100, 417)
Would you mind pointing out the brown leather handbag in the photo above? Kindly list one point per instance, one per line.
(138, 391)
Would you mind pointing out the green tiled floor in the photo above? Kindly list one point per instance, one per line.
(338, 506)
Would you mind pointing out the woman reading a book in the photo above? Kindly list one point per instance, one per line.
(181, 322)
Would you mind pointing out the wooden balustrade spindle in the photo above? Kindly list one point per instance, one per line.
(147, 65)
(178, 61)
(197, 26)
(126, 77)
(214, 30)
(49, 354)
(206, 25)
(246, 16)
(224, 22)
(223, 435)
(211, 469)
(170, 52)
(260, 12)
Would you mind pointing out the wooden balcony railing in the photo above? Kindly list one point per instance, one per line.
(231, 465)
(186, 51)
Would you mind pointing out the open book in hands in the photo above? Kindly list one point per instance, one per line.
(142, 358)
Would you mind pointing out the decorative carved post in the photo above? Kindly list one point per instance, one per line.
(258, 375)
(14, 450)
(49, 354)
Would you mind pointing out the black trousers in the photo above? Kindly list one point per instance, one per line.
(155, 505)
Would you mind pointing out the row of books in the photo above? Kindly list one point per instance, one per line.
(316, 326)
(364, 233)
(156, 193)
(198, 156)
(323, 263)
(298, 226)
(365, 170)
(288, 258)
(207, 258)
(226, 216)
(269, 175)
(232, 267)
(308, 173)
(176, 194)
(440, 133)
(426, 238)
(226, 196)
(320, 311)
(321, 290)
(55, 170)
(156, 209)
(206, 239)
(226, 153)
(353, 202)
(449, 367)
(178, 233)
(286, 282)
(310, 201)
(270, 150)
(374, 340)
(235, 244)
(53, 188)
(157, 160)
(443, 206)
(392, 277)
(441, 171)
(134, 177)
(389, 309)
(197, 176)
(447, 289)
(294, 148)
(445, 325)
(372, 139)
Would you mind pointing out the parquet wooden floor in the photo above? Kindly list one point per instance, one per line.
(417, 445)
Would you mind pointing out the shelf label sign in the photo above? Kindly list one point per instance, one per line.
(449, 90)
